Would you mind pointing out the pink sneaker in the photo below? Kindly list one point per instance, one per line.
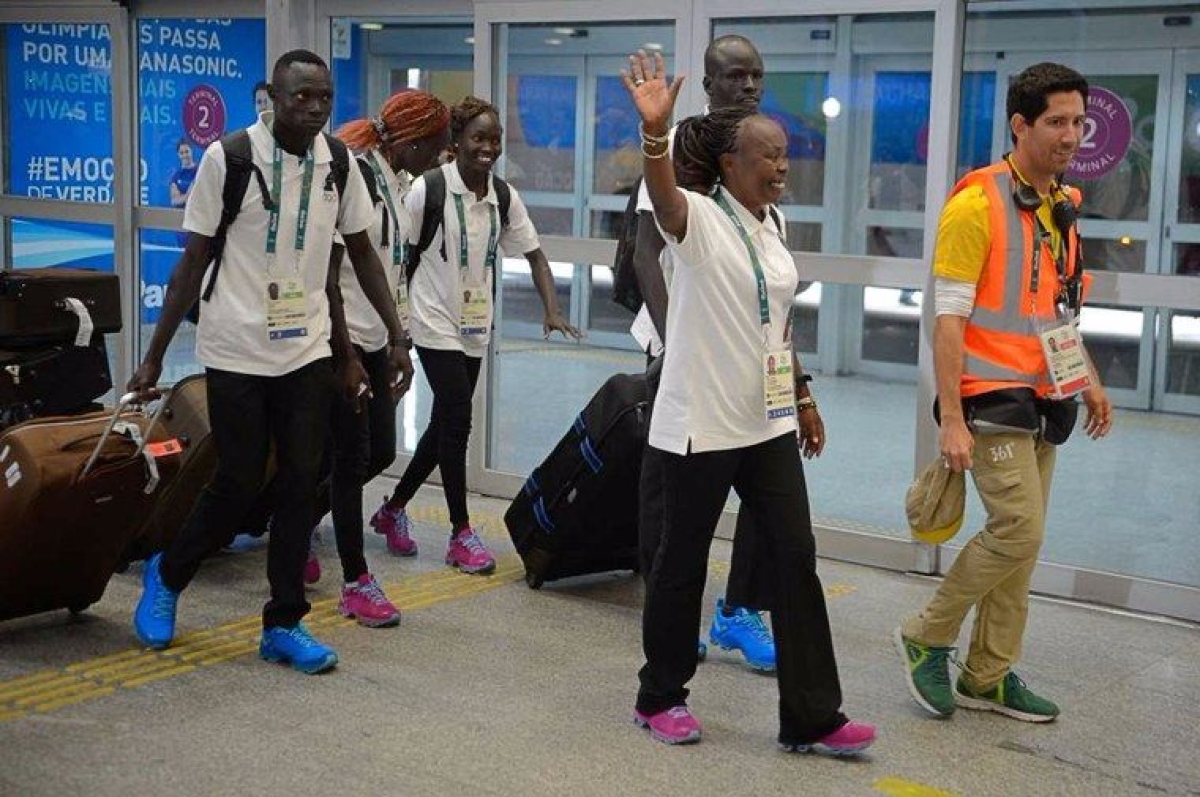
(850, 739)
(312, 568)
(364, 600)
(394, 526)
(673, 726)
(468, 553)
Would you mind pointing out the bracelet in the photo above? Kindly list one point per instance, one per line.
(806, 403)
(651, 156)
(656, 139)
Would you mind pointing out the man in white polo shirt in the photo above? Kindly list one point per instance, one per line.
(264, 338)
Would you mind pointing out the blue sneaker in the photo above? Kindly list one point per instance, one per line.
(746, 632)
(154, 617)
(297, 647)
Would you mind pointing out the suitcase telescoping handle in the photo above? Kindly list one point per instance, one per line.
(122, 404)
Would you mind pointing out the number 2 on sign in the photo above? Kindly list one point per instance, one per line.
(1001, 453)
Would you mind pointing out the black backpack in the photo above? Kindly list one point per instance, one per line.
(626, 291)
(434, 207)
(239, 165)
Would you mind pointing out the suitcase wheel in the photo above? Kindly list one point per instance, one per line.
(533, 580)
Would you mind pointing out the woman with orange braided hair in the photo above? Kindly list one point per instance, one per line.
(392, 149)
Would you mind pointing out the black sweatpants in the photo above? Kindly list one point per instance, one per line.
(681, 501)
(452, 376)
(246, 413)
(361, 445)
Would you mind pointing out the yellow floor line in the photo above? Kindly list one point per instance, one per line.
(897, 787)
(128, 669)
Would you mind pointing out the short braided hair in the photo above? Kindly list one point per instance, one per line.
(467, 109)
(700, 141)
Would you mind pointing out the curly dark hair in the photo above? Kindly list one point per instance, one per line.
(467, 109)
(700, 141)
(1028, 92)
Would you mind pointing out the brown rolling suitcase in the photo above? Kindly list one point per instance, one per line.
(184, 417)
(34, 307)
(73, 491)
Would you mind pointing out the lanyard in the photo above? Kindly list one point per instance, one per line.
(764, 308)
(1040, 236)
(277, 196)
(397, 242)
(489, 261)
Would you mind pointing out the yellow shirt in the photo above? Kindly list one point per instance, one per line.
(965, 234)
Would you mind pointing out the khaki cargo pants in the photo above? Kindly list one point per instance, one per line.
(1012, 473)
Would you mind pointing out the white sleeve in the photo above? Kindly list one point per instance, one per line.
(414, 203)
(355, 211)
(519, 237)
(696, 245)
(953, 297)
(202, 213)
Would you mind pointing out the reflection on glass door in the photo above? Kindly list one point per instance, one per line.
(1179, 345)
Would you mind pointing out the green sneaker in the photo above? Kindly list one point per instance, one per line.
(927, 670)
(1011, 697)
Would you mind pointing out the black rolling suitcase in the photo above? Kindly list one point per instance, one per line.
(34, 306)
(578, 510)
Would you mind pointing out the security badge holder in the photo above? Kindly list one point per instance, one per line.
(473, 318)
(1062, 347)
(779, 388)
(287, 307)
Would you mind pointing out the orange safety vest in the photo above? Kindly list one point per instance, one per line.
(1001, 349)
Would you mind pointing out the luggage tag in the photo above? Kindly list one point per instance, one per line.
(473, 317)
(287, 307)
(1066, 363)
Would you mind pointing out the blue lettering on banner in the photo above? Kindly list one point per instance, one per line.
(58, 102)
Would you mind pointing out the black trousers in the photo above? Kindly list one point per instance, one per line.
(361, 445)
(247, 413)
(681, 501)
(452, 376)
(745, 587)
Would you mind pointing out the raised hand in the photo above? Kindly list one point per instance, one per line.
(646, 82)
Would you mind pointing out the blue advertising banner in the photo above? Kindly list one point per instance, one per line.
(196, 81)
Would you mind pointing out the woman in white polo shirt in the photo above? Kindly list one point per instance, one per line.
(725, 416)
(450, 296)
(405, 139)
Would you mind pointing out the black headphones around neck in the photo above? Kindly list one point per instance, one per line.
(1026, 198)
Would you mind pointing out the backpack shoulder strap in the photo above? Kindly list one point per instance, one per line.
(373, 189)
(369, 178)
(239, 165)
(504, 198)
(339, 169)
(431, 217)
(779, 225)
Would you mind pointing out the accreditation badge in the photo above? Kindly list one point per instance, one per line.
(473, 318)
(287, 308)
(1066, 363)
(779, 388)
